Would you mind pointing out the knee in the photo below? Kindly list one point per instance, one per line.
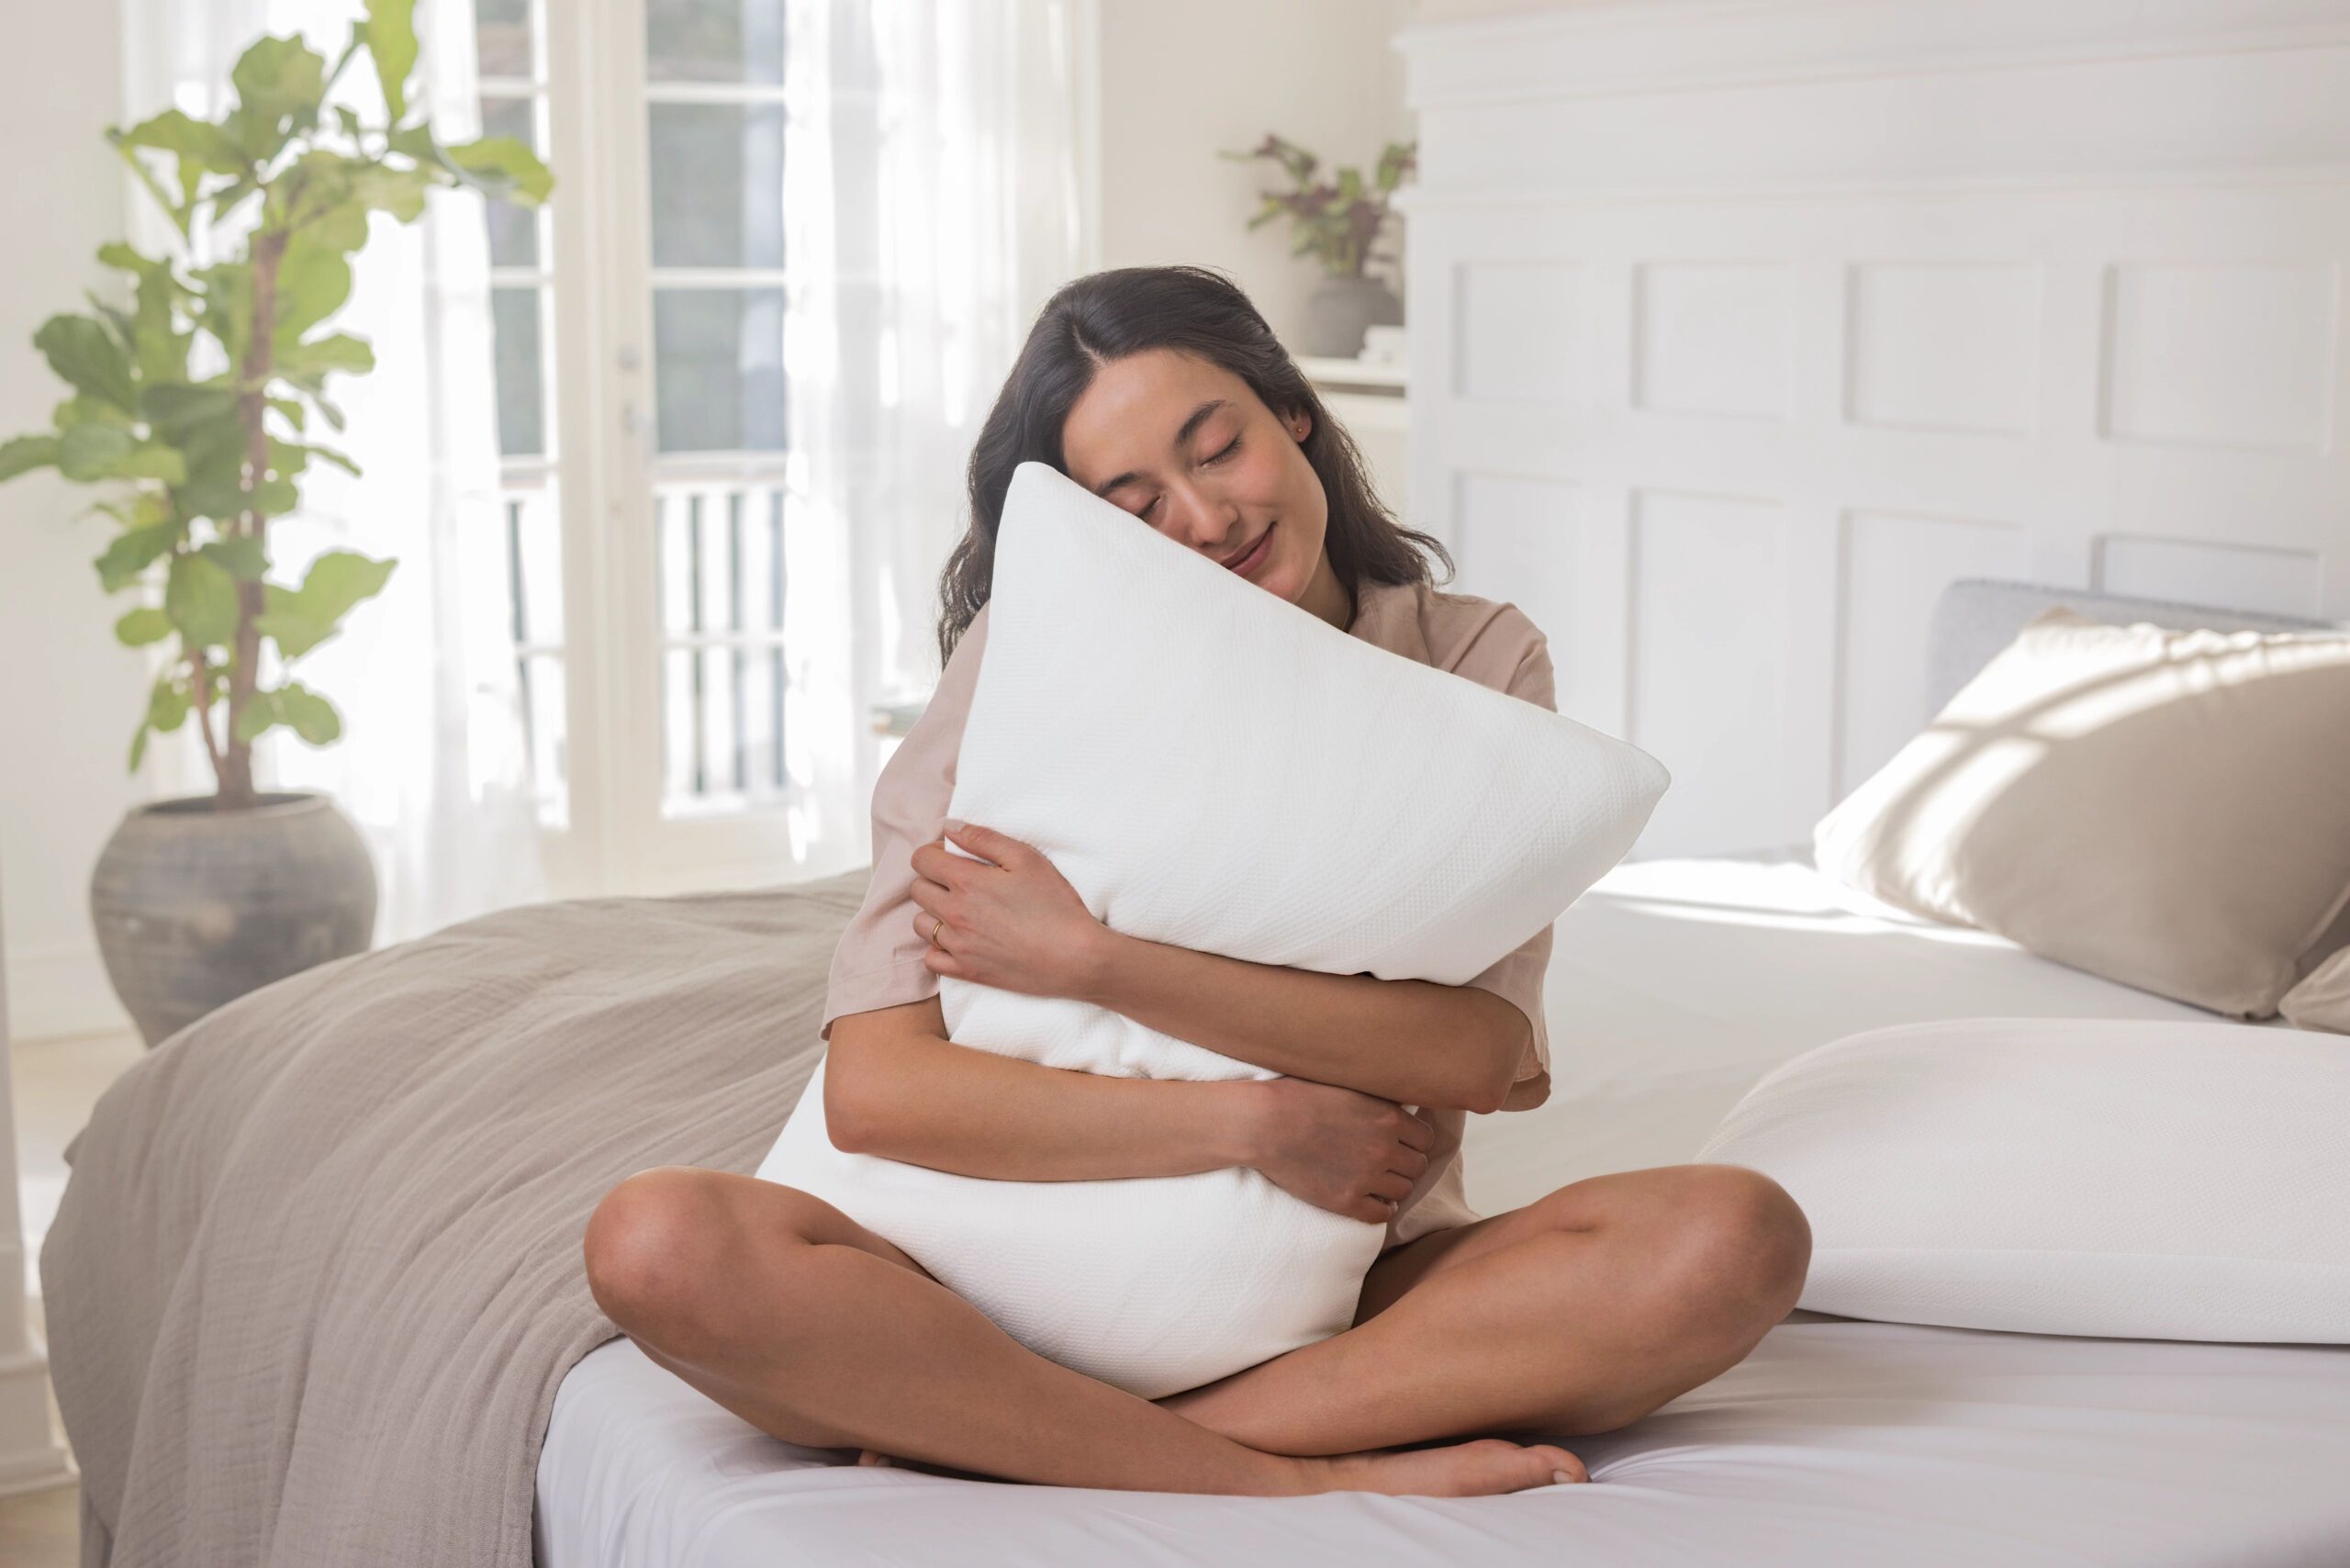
(653, 1246)
(1742, 1249)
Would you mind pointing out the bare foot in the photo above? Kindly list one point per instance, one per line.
(1478, 1469)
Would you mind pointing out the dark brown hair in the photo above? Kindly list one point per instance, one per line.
(1106, 316)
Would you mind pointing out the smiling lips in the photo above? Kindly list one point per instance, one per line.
(1251, 555)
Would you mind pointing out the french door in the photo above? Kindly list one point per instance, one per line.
(689, 660)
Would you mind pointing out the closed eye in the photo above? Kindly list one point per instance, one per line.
(1230, 447)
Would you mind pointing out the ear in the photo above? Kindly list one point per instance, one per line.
(1301, 424)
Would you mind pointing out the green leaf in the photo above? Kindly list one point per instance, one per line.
(312, 716)
(256, 716)
(272, 497)
(400, 191)
(154, 460)
(132, 552)
(81, 410)
(158, 345)
(313, 281)
(176, 408)
(140, 627)
(167, 704)
(27, 453)
(91, 452)
(201, 598)
(240, 554)
(199, 142)
(337, 351)
(80, 351)
(329, 454)
(300, 619)
(391, 40)
(276, 80)
(139, 746)
(501, 166)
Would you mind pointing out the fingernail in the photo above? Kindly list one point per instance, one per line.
(1561, 1478)
(953, 825)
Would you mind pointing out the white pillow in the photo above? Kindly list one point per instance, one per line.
(2119, 1178)
(1214, 767)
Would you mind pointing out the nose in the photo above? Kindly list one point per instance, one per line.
(1205, 521)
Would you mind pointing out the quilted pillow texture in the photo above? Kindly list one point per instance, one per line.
(2117, 1178)
(2166, 809)
(1214, 767)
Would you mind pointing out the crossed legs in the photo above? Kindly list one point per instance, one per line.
(1578, 1313)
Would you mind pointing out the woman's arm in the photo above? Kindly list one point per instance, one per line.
(1416, 1042)
(896, 1086)
(1011, 920)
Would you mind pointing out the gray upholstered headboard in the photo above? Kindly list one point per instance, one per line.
(1976, 616)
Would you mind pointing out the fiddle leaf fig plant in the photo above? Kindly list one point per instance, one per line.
(1337, 219)
(194, 402)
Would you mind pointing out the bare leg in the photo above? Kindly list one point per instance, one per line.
(816, 1329)
(1578, 1313)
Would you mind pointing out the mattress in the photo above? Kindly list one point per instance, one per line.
(1673, 986)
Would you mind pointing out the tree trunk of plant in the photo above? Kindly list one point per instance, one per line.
(236, 770)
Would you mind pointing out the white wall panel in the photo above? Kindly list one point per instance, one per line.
(2235, 355)
(1943, 346)
(2283, 582)
(1518, 539)
(1894, 568)
(1709, 679)
(1714, 339)
(1517, 332)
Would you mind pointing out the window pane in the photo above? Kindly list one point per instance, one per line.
(522, 390)
(543, 718)
(502, 34)
(716, 185)
(514, 230)
(714, 41)
(718, 373)
(534, 556)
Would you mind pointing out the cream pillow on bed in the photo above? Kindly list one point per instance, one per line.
(1214, 767)
(2166, 809)
(2323, 1001)
(2120, 1178)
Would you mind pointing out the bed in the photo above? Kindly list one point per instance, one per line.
(330, 1232)
(1676, 984)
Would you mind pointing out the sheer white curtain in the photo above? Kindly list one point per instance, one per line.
(937, 191)
(431, 763)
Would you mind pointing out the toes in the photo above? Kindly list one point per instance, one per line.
(1565, 1468)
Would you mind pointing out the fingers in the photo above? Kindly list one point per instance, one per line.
(985, 842)
(1391, 1187)
(933, 861)
(1372, 1211)
(1414, 1131)
(1408, 1163)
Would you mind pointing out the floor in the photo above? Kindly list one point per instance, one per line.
(56, 1083)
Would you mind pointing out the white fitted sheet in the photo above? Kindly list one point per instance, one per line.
(1676, 984)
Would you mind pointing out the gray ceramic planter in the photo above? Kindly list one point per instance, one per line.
(1342, 309)
(195, 907)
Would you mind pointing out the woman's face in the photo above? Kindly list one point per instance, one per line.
(1187, 447)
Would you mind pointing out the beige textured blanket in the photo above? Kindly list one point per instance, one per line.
(317, 1274)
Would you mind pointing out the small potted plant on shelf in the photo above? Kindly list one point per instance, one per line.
(1338, 221)
(194, 403)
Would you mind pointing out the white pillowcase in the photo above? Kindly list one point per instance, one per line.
(2119, 1178)
(1214, 767)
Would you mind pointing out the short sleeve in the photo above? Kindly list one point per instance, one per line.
(1516, 976)
(879, 963)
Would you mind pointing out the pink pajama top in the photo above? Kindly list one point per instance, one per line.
(879, 960)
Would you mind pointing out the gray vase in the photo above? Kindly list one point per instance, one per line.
(1342, 309)
(195, 907)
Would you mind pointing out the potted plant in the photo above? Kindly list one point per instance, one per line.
(1336, 220)
(195, 404)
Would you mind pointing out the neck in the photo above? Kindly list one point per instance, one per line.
(1328, 598)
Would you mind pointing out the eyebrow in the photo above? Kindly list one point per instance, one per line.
(1199, 416)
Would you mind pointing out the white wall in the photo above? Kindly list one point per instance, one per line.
(70, 694)
(1178, 81)
(1742, 326)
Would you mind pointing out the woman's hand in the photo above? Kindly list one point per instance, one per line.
(1340, 1149)
(1008, 919)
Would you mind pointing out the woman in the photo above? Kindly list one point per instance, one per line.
(1163, 390)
